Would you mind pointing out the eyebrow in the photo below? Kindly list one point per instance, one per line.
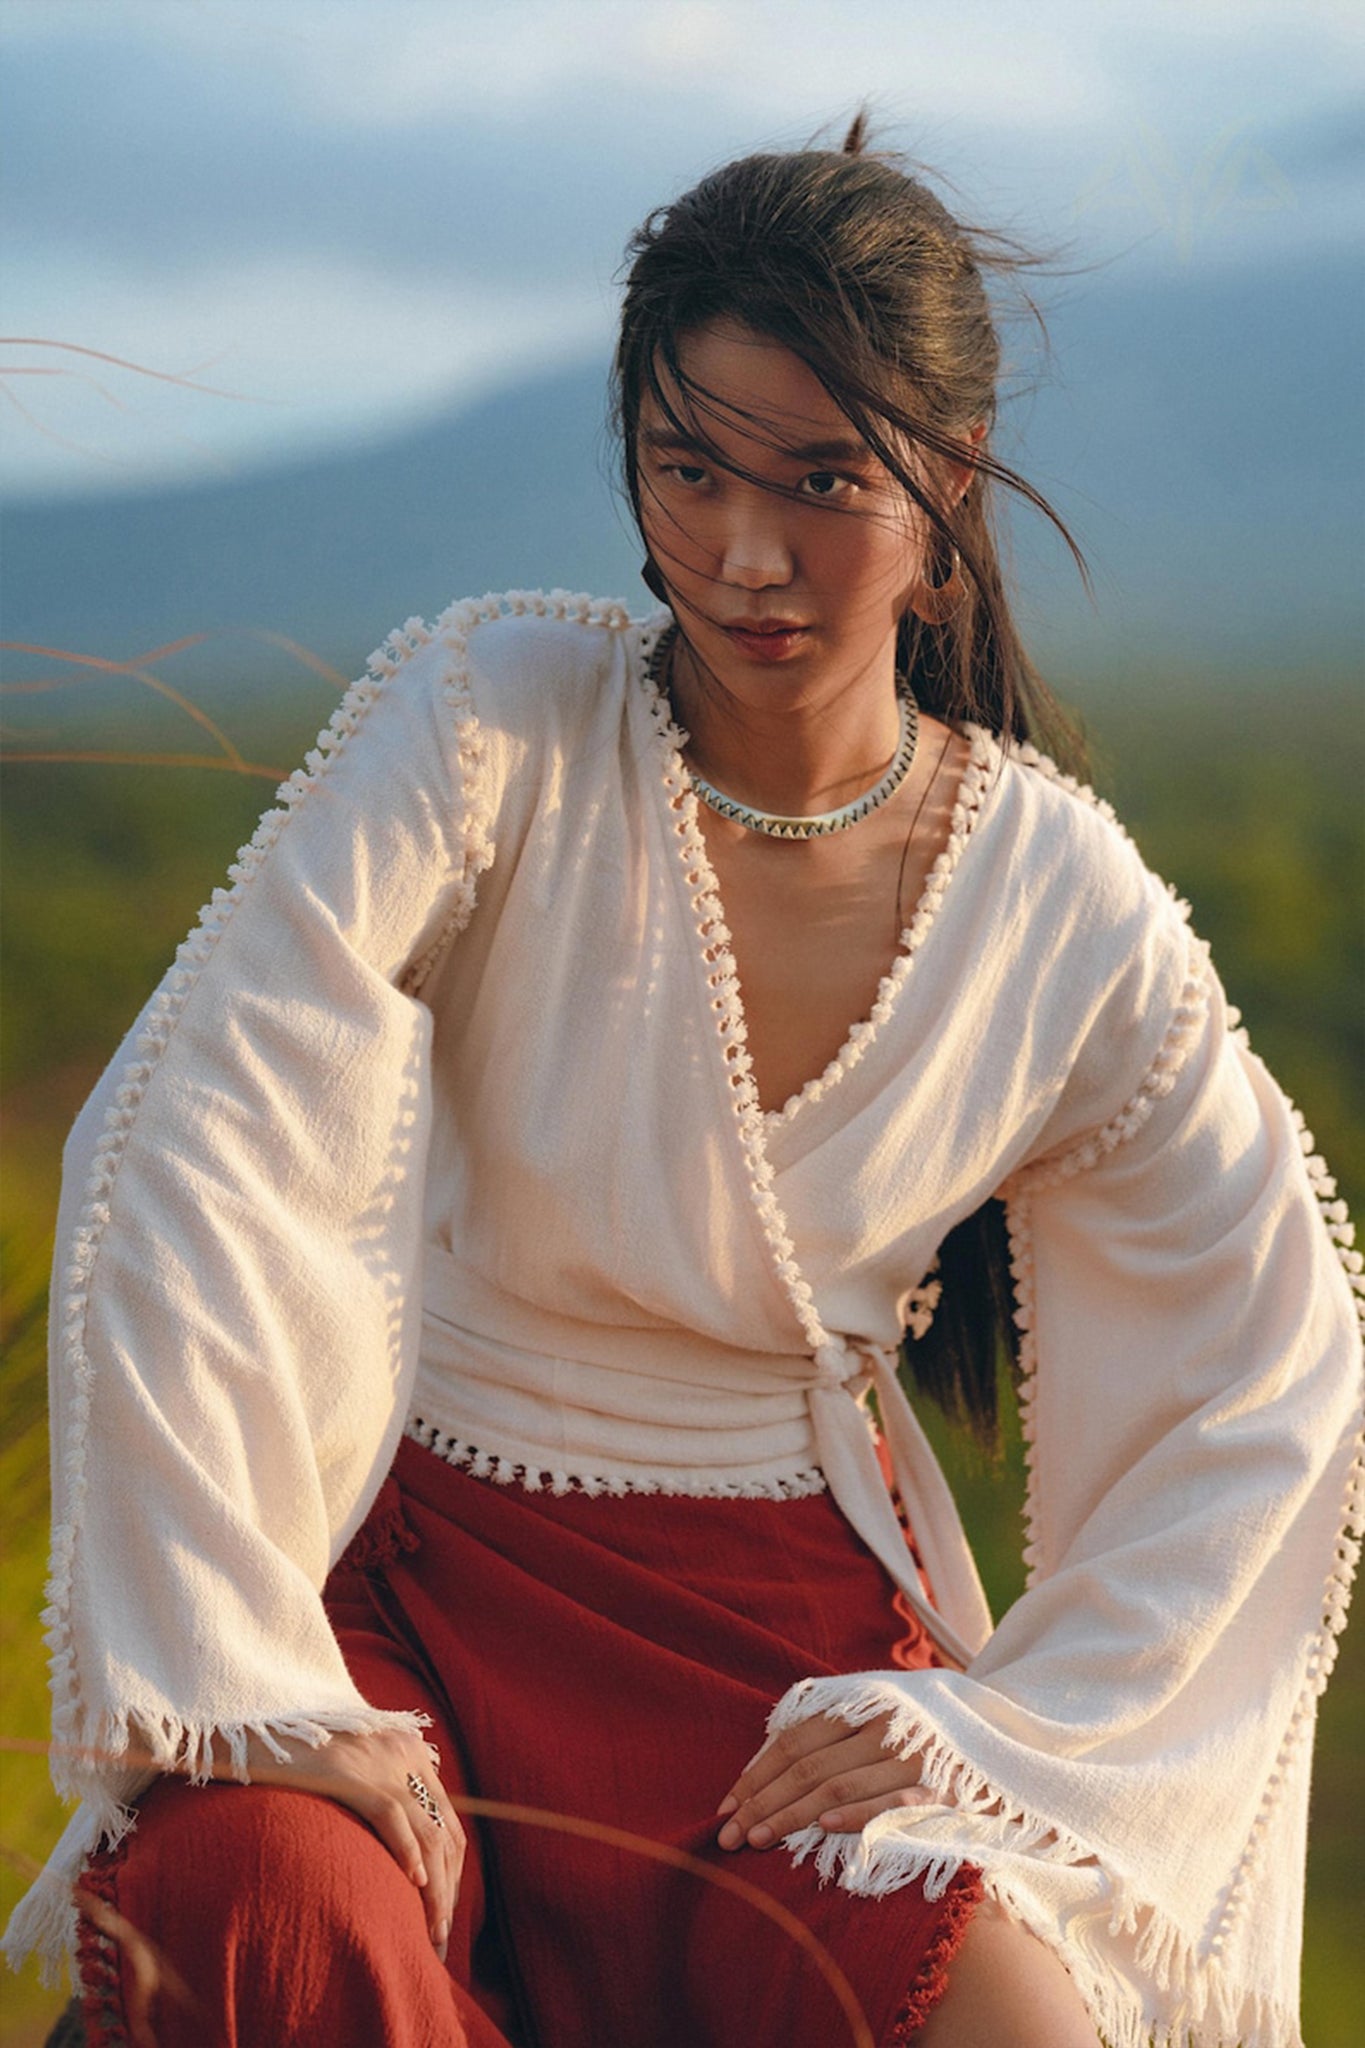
(847, 450)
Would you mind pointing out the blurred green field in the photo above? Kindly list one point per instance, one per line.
(1250, 804)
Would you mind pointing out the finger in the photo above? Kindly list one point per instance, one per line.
(443, 1843)
(853, 1816)
(396, 1828)
(453, 1843)
(814, 1784)
(842, 1788)
(780, 1752)
(446, 1887)
(806, 1774)
(438, 1897)
(459, 1849)
(802, 1775)
(436, 1890)
(453, 1862)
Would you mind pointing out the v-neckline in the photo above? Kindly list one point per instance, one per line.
(712, 931)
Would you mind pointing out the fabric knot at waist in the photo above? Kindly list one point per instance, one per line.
(845, 1369)
(839, 1364)
(662, 1408)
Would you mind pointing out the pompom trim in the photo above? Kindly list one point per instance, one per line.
(1341, 1573)
(168, 1742)
(454, 628)
(982, 759)
(731, 1029)
(1337, 1588)
(71, 1737)
(1160, 1078)
(525, 1469)
(726, 1002)
(1181, 1034)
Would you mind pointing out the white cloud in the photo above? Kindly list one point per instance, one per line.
(1058, 63)
(300, 195)
(801, 60)
(791, 64)
(309, 353)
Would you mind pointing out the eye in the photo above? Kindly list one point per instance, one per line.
(825, 483)
(688, 473)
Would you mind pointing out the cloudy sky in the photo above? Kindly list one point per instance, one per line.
(342, 215)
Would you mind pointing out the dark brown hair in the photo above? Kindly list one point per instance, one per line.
(857, 267)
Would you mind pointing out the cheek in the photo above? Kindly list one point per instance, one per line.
(676, 534)
(871, 555)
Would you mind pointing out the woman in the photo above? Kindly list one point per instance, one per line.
(621, 1034)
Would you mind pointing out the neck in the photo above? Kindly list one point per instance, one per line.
(801, 750)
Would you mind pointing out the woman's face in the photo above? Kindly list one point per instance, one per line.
(796, 581)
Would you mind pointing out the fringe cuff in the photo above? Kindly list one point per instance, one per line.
(44, 1923)
(1145, 1982)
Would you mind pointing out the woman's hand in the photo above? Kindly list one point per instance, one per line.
(822, 1772)
(370, 1774)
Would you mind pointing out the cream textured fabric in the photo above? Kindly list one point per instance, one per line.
(376, 1158)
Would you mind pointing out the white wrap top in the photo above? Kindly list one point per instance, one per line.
(443, 1121)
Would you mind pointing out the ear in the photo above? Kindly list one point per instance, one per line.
(960, 474)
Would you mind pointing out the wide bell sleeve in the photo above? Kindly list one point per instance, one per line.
(234, 1313)
(1127, 1757)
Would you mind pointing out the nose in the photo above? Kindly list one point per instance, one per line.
(756, 553)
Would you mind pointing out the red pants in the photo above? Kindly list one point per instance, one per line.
(610, 1659)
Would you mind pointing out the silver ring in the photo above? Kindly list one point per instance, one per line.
(422, 1793)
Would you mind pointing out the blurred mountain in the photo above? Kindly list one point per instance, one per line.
(1200, 431)
(335, 550)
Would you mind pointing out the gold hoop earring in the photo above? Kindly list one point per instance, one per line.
(935, 603)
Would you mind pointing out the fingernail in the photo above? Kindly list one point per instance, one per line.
(729, 1804)
(760, 1836)
(832, 1822)
(730, 1836)
(441, 1938)
(419, 1877)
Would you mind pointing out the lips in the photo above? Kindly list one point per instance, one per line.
(768, 639)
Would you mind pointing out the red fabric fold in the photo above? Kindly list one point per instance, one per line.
(614, 1658)
(608, 1660)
